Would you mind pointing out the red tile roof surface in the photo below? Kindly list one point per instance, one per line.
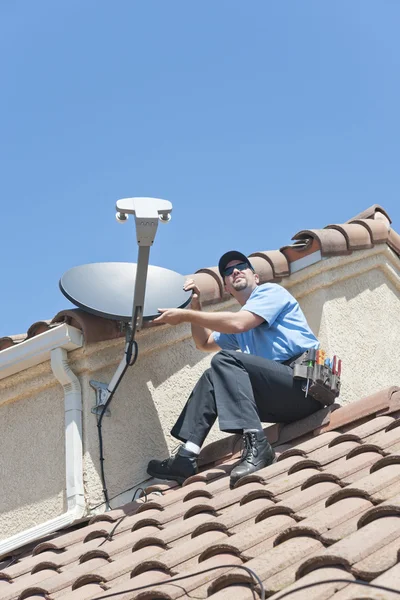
(369, 228)
(328, 508)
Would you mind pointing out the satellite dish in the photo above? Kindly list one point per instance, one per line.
(106, 289)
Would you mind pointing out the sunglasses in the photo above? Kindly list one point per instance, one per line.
(240, 267)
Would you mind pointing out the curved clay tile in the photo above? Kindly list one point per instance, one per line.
(160, 487)
(330, 241)
(150, 565)
(94, 329)
(146, 522)
(297, 531)
(209, 526)
(200, 509)
(307, 463)
(199, 493)
(377, 512)
(394, 241)
(363, 449)
(393, 425)
(214, 273)
(277, 509)
(291, 452)
(96, 553)
(373, 212)
(149, 541)
(391, 459)
(94, 535)
(345, 437)
(325, 560)
(378, 230)
(87, 579)
(6, 342)
(255, 495)
(150, 505)
(300, 249)
(33, 592)
(347, 492)
(357, 236)
(263, 269)
(219, 548)
(320, 478)
(277, 261)
(229, 585)
(46, 546)
(46, 565)
(36, 328)
(252, 478)
(210, 286)
(380, 402)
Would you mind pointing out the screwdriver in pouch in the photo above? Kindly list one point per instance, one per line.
(321, 355)
(310, 366)
(334, 372)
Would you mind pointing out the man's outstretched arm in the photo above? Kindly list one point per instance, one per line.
(204, 323)
(224, 322)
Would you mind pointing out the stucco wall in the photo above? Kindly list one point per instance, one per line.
(352, 303)
(32, 461)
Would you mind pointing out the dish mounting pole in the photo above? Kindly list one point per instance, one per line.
(148, 212)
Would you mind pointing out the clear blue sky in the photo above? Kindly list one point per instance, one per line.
(255, 119)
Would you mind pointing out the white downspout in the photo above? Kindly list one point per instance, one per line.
(73, 458)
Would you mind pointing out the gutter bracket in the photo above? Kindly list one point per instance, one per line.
(102, 395)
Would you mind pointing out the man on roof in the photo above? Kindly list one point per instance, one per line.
(243, 389)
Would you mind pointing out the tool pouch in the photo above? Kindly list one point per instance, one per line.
(323, 385)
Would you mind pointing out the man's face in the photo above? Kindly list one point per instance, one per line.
(238, 280)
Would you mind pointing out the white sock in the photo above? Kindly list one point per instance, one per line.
(192, 447)
(250, 430)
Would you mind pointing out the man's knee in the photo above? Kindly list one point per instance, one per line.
(222, 356)
(206, 374)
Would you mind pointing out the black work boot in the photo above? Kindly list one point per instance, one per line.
(177, 467)
(257, 454)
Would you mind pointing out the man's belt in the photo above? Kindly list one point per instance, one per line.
(321, 375)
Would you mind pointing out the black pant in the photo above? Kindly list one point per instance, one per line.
(242, 390)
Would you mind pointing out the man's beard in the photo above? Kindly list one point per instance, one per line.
(240, 285)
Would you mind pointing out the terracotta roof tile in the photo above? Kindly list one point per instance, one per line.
(394, 241)
(277, 261)
(365, 230)
(302, 247)
(331, 242)
(37, 328)
(374, 212)
(94, 329)
(210, 284)
(6, 342)
(357, 237)
(378, 230)
(329, 507)
(323, 587)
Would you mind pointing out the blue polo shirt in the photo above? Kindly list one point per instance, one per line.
(285, 332)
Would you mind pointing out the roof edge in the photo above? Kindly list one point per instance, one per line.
(37, 350)
(328, 418)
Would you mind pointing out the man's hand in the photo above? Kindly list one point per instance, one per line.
(195, 303)
(172, 316)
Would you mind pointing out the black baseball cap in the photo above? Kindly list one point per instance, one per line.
(232, 255)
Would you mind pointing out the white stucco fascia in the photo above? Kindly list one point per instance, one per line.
(307, 281)
(306, 261)
(37, 350)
